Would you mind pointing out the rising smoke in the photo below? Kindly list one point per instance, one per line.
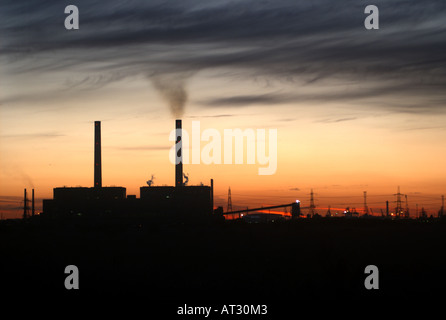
(172, 88)
(15, 173)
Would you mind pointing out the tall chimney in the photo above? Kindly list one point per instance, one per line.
(24, 205)
(97, 155)
(32, 204)
(212, 195)
(179, 155)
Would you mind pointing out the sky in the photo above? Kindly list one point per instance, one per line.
(355, 110)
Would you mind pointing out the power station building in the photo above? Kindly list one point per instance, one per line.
(154, 200)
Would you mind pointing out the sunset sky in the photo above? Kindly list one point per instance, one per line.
(355, 110)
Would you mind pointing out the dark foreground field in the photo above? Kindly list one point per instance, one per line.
(168, 261)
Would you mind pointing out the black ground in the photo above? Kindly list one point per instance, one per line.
(175, 262)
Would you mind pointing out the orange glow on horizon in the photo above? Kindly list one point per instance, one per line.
(337, 165)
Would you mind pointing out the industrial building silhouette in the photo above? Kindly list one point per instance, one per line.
(154, 200)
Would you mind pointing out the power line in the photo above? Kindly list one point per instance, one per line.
(229, 207)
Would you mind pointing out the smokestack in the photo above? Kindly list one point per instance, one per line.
(32, 204)
(25, 207)
(179, 155)
(97, 155)
(212, 195)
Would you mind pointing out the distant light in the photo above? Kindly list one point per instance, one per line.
(297, 201)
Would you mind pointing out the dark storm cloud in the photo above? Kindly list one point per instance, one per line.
(299, 42)
(406, 88)
(246, 100)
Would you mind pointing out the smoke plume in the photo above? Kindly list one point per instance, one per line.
(172, 88)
